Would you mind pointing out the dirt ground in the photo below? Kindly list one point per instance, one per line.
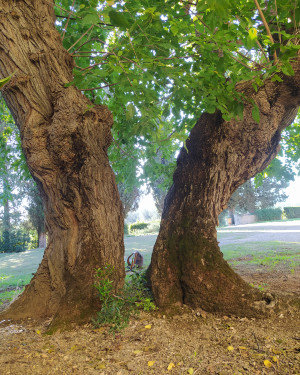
(191, 342)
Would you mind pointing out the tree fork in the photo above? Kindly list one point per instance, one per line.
(187, 265)
(65, 139)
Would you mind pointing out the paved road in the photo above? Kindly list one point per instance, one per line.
(288, 231)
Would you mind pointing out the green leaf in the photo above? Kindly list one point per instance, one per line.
(90, 19)
(119, 19)
(255, 113)
(5, 80)
(287, 69)
(252, 33)
(276, 78)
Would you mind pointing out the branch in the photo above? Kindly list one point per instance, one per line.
(266, 27)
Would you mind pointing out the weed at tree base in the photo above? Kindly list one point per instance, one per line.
(117, 309)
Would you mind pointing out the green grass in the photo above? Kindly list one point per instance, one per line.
(272, 254)
(16, 271)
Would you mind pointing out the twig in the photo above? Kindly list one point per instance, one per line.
(266, 26)
(262, 50)
(135, 63)
(132, 45)
(78, 40)
(67, 23)
(88, 41)
(278, 28)
(257, 343)
(63, 9)
(240, 62)
(98, 88)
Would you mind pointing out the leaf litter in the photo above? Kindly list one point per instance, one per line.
(188, 343)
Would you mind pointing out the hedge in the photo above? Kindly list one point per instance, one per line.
(292, 212)
(268, 214)
(138, 226)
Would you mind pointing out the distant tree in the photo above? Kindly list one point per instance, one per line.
(10, 188)
(130, 197)
(263, 191)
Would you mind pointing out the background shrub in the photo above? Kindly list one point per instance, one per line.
(292, 212)
(268, 214)
(138, 226)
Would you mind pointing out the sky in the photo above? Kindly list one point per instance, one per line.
(293, 191)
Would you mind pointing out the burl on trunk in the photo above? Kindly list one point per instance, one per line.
(187, 265)
(65, 140)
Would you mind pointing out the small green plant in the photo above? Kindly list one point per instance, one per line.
(117, 308)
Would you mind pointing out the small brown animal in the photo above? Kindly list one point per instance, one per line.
(137, 260)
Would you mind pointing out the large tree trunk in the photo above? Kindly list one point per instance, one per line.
(187, 265)
(65, 140)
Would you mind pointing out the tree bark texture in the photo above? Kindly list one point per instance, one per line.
(65, 140)
(187, 265)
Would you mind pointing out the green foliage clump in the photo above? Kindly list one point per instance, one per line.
(268, 214)
(138, 226)
(153, 227)
(292, 212)
(117, 308)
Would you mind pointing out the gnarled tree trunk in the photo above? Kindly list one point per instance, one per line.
(187, 265)
(65, 140)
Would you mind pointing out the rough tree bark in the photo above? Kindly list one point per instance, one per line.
(65, 140)
(187, 265)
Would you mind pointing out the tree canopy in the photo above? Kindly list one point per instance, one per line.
(159, 65)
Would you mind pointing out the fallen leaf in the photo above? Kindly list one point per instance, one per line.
(151, 363)
(274, 359)
(190, 371)
(276, 351)
(100, 366)
(242, 348)
(267, 363)
(171, 365)
(137, 352)
(230, 348)
(99, 330)
(148, 326)
(38, 332)
(147, 348)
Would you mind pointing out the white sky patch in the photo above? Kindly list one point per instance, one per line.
(293, 192)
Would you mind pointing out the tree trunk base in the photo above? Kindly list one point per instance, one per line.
(194, 273)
